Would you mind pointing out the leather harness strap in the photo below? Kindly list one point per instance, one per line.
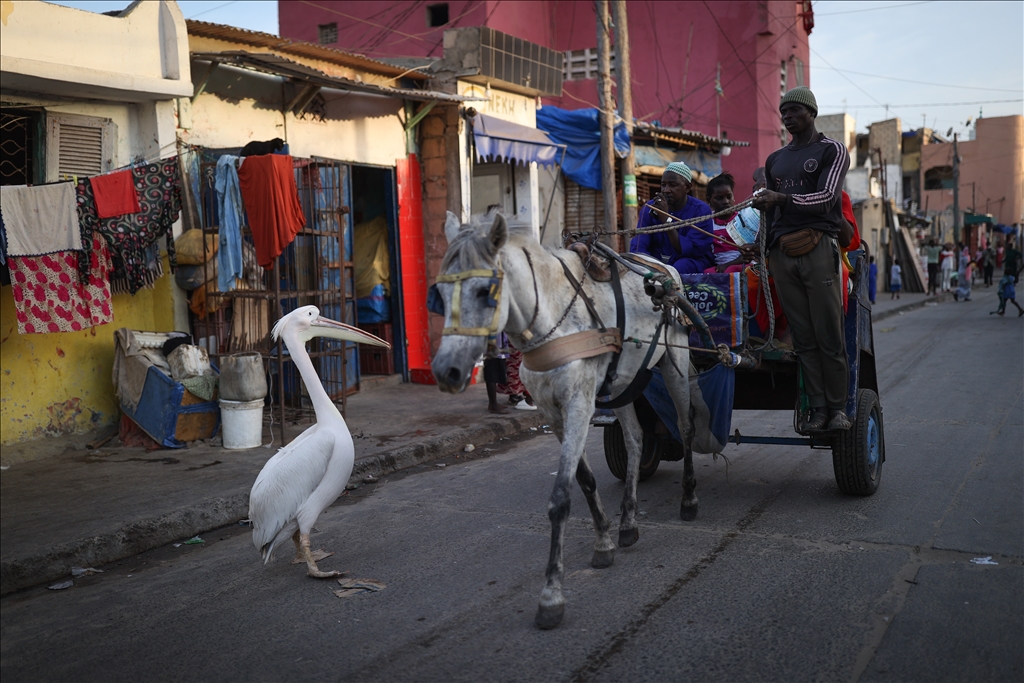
(563, 350)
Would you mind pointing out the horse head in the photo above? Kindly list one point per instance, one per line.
(470, 284)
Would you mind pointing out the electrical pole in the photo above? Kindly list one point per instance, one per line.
(606, 113)
(956, 190)
(623, 75)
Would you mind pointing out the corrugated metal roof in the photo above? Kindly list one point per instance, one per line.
(277, 65)
(299, 47)
(686, 138)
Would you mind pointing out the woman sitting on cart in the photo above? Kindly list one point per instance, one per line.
(737, 233)
(687, 249)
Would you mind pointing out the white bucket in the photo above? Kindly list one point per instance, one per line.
(241, 423)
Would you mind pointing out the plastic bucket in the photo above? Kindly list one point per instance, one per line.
(241, 423)
(242, 377)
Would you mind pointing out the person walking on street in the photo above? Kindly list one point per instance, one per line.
(948, 260)
(987, 263)
(963, 275)
(933, 250)
(1012, 261)
(1007, 292)
(895, 279)
(803, 205)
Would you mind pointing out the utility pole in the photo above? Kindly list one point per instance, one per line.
(623, 75)
(956, 190)
(606, 106)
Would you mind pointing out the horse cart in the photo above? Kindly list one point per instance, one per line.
(768, 378)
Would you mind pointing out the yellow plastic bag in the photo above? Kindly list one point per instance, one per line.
(189, 247)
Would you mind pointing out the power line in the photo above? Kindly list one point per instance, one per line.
(907, 80)
(872, 9)
(928, 104)
(212, 9)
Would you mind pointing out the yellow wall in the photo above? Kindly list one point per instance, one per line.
(53, 384)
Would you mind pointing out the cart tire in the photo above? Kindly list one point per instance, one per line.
(858, 454)
(617, 458)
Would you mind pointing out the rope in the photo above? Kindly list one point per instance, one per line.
(761, 268)
(722, 351)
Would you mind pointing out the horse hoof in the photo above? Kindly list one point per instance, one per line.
(549, 617)
(688, 513)
(603, 559)
(628, 537)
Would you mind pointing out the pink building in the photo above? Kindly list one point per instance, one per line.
(756, 50)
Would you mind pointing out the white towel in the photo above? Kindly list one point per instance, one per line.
(40, 219)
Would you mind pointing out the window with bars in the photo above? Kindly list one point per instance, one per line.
(78, 146)
(581, 65)
(328, 33)
(20, 147)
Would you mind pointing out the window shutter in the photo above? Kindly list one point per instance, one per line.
(78, 146)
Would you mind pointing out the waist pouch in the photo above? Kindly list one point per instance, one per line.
(800, 242)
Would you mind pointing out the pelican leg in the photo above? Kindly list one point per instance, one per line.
(310, 559)
(300, 557)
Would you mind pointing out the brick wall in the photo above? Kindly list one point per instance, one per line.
(442, 192)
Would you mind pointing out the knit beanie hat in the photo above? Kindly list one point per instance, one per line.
(801, 94)
(680, 169)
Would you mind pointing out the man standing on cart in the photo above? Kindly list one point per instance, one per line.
(803, 208)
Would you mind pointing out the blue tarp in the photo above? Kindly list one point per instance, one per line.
(711, 399)
(580, 131)
(496, 140)
(374, 308)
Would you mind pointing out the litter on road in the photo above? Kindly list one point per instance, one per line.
(85, 571)
(352, 587)
(195, 540)
(62, 585)
(469, 448)
(983, 560)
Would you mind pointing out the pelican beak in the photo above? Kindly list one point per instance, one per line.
(325, 327)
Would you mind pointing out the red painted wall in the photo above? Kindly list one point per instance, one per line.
(750, 39)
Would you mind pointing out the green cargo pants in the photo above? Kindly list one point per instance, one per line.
(810, 288)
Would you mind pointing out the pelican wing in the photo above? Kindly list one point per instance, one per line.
(285, 483)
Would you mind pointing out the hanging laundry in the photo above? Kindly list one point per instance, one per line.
(158, 186)
(48, 296)
(152, 271)
(271, 203)
(40, 219)
(3, 242)
(229, 212)
(115, 194)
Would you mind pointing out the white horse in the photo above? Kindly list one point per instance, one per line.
(498, 277)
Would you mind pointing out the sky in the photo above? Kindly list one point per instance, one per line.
(938, 63)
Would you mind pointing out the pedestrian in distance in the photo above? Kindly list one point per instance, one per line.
(987, 263)
(1007, 293)
(1013, 261)
(963, 275)
(933, 252)
(802, 201)
(495, 374)
(872, 279)
(895, 279)
(518, 396)
(948, 257)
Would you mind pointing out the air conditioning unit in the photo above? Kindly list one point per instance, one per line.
(479, 54)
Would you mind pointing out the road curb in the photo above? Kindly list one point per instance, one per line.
(912, 306)
(139, 536)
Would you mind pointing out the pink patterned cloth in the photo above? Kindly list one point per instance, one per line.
(48, 296)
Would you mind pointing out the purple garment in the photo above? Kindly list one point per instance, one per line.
(695, 254)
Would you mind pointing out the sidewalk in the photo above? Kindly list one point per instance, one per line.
(85, 508)
(63, 505)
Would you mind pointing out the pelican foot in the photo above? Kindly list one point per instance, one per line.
(317, 555)
(315, 573)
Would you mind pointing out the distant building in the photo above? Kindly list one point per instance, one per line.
(677, 49)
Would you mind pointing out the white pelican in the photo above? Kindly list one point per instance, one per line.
(307, 475)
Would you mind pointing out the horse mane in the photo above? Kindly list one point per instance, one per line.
(472, 246)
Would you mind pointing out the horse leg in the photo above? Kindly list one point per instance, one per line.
(632, 433)
(679, 388)
(604, 549)
(552, 602)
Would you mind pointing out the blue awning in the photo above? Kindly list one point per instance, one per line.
(500, 140)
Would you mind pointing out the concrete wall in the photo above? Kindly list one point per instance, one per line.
(52, 58)
(993, 162)
(842, 127)
(763, 34)
(141, 54)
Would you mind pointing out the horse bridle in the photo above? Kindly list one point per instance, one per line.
(493, 300)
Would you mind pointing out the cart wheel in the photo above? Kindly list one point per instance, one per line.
(857, 454)
(615, 453)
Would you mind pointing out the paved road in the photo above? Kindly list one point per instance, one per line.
(780, 578)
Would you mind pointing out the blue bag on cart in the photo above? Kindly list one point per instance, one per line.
(711, 400)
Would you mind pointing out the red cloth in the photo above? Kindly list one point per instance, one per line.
(272, 204)
(115, 194)
(848, 215)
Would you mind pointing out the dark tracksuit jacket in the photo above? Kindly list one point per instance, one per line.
(810, 286)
